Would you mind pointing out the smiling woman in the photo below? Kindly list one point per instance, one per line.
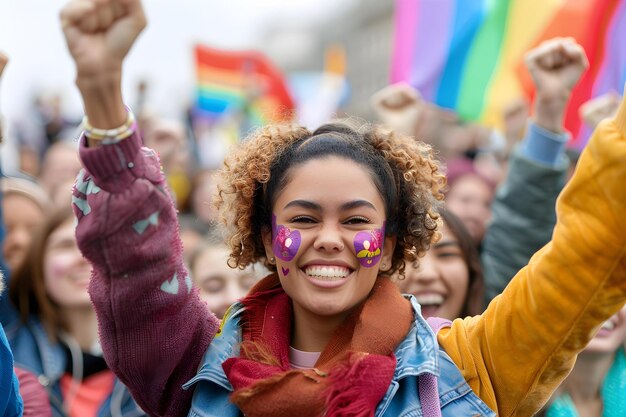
(219, 285)
(595, 387)
(330, 203)
(56, 336)
(332, 213)
(448, 280)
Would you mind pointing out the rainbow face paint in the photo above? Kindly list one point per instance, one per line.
(285, 242)
(369, 246)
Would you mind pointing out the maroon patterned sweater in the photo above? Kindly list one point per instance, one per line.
(153, 327)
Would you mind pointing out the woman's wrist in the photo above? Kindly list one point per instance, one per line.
(102, 99)
(549, 112)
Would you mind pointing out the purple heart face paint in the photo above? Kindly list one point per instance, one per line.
(285, 271)
(285, 242)
(369, 246)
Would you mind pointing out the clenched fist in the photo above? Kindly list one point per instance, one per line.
(99, 33)
(556, 66)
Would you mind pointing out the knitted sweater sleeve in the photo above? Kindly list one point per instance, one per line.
(153, 327)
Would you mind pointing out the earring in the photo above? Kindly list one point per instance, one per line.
(272, 260)
(383, 266)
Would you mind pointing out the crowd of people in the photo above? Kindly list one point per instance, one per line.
(418, 265)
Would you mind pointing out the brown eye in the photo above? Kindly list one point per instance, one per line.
(357, 220)
(302, 219)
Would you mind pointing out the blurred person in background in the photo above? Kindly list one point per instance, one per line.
(469, 196)
(192, 233)
(59, 165)
(402, 108)
(204, 187)
(45, 126)
(523, 208)
(33, 396)
(11, 404)
(56, 335)
(24, 205)
(597, 384)
(220, 285)
(169, 139)
(447, 281)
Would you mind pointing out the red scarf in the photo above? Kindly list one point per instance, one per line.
(350, 377)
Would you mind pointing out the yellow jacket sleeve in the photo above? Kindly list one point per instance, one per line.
(515, 354)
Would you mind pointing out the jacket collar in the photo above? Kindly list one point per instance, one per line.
(53, 359)
(224, 345)
(418, 353)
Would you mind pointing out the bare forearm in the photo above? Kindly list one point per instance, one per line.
(102, 98)
(549, 112)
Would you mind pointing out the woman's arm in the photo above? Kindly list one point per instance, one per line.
(519, 350)
(153, 327)
(523, 210)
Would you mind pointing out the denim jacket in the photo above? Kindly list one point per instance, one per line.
(11, 404)
(34, 352)
(419, 353)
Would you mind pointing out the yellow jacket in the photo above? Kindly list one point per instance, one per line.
(518, 351)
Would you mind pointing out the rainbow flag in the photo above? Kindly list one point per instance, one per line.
(240, 82)
(467, 55)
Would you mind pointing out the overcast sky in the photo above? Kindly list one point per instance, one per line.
(30, 34)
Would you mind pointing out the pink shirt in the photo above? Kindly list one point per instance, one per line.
(302, 360)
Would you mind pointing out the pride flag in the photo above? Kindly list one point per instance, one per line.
(244, 82)
(467, 55)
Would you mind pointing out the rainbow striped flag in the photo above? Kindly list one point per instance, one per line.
(467, 55)
(244, 82)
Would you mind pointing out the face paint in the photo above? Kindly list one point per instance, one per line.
(285, 270)
(285, 242)
(369, 246)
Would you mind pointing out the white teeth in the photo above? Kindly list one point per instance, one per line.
(327, 271)
(608, 325)
(429, 299)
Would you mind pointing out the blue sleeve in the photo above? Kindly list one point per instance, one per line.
(3, 266)
(11, 404)
(523, 212)
(8, 314)
(543, 146)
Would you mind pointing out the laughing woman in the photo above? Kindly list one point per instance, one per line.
(448, 280)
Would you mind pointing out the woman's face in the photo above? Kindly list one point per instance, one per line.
(21, 216)
(611, 335)
(220, 285)
(328, 237)
(202, 197)
(470, 199)
(441, 281)
(66, 272)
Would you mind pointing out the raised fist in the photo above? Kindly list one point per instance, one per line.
(99, 33)
(599, 108)
(398, 106)
(556, 66)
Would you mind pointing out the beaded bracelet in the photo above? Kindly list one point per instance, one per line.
(110, 135)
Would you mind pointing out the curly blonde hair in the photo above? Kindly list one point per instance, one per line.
(405, 172)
